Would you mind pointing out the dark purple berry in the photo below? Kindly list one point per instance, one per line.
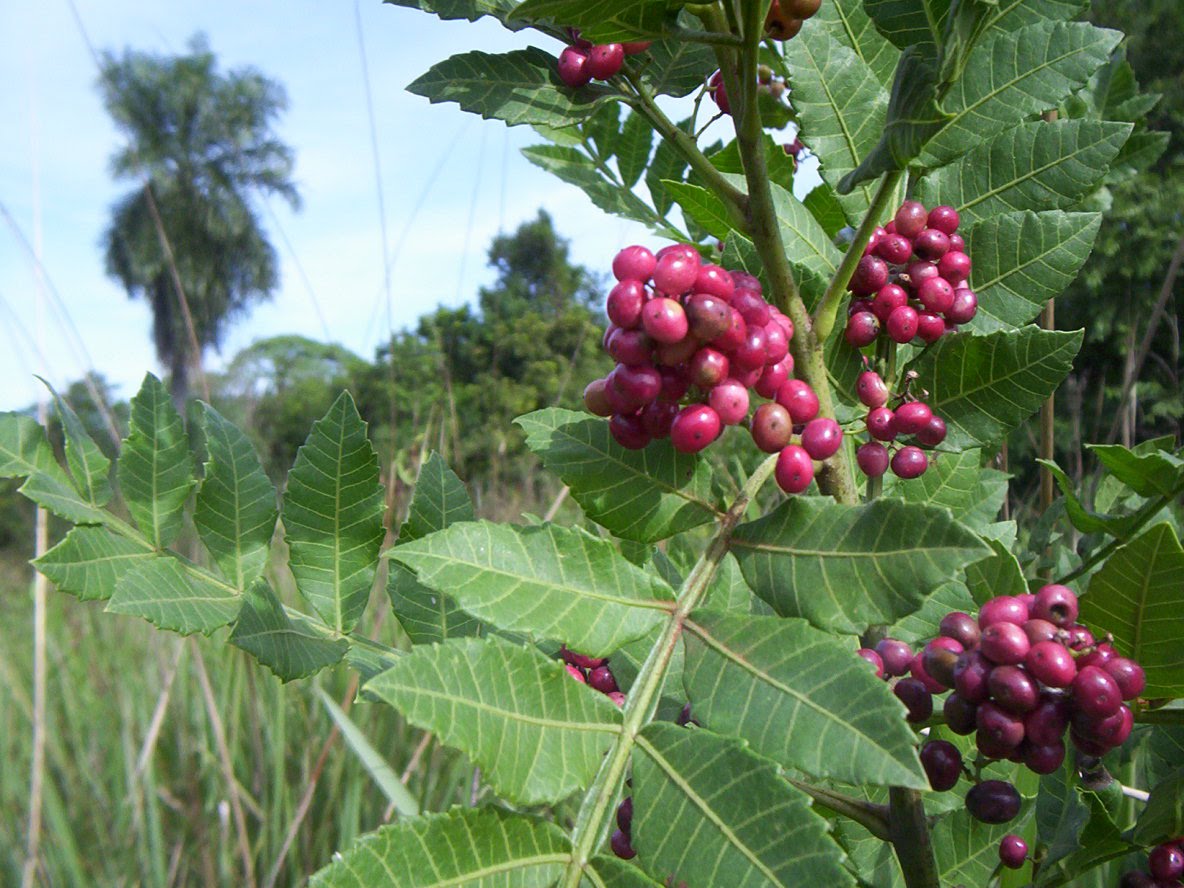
(1043, 759)
(971, 673)
(1013, 689)
(1046, 724)
(913, 694)
(862, 329)
(625, 815)
(943, 764)
(1002, 728)
(896, 654)
(1136, 879)
(931, 244)
(1013, 851)
(602, 679)
(993, 801)
(873, 658)
(1128, 675)
(628, 431)
(961, 627)
(1166, 862)
(621, 846)
(937, 661)
(960, 714)
(909, 462)
(872, 458)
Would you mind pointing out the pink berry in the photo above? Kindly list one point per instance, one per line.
(1013, 850)
(933, 433)
(909, 462)
(881, 424)
(964, 307)
(862, 329)
(772, 378)
(729, 400)
(872, 390)
(887, 299)
(910, 219)
(664, 320)
(872, 458)
(873, 658)
(930, 327)
(799, 399)
(954, 266)
(605, 60)
(714, 281)
(634, 263)
(1003, 609)
(936, 294)
(624, 303)
(821, 438)
(696, 426)
(576, 672)
(776, 344)
(573, 67)
(902, 324)
(675, 273)
(794, 470)
(944, 219)
(910, 418)
(1057, 604)
(896, 654)
(956, 241)
(894, 248)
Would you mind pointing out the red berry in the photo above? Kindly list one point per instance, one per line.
(696, 426)
(675, 272)
(628, 431)
(909, 462)
(1013, 851)
(880, 424)
(1040, 630)
(1051, 664)
(873, 658)
(794, 470)
(887, 299)
(634, 263)
(862, 329)
(930, 244)
(919, 272)
(954, 266)
(714, 281)
(715, 85)
(1013, 689)
(772, 427)
(910, 219)
(871, 389)
(624, 303)
(936, 294)
(1057, 604)
(894, 248)
(799, 399)
(707, 367)
(773, 377)
(732, 337)
(944, 218)
(821, 438)
(602, 679)
(752, 353)
(636, 47)
(912, 417)
(903, 324)
(964, 307)
(930, 327)
(897, 656)
(752, 306)
(870, 274)
(621, 846)
(1095, 693)
(630, 346)
(1002, 609)
(1004, 644)
(605, 60)
(998, 729)
(1128, 675)
(933, 433)
(635, 385)
(573, 67)
(776, 343)
(729, 400)
(961, 627)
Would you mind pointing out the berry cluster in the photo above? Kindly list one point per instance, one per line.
(1165, 865)
(912, 280)
(766, 82)
(593, 671)
(1020, 675)
(910, 417)
(785, 17)
(582, 62)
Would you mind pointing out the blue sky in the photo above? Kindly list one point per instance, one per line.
(57, 132)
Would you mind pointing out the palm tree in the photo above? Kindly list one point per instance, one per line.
(187, 238)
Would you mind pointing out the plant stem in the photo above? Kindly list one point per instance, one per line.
(733, 198)
(711, 38)
(872, 817)
(824, 314)
(1145, 514)
(910, 838)
(593, 819)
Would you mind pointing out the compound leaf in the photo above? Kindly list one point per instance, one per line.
(537, 734)
(290, 645)
(799, 696)
(90, 561)
(171, 594)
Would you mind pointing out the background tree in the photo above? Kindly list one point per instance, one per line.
(200, 148)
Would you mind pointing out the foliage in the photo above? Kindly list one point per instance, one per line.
(793, 761)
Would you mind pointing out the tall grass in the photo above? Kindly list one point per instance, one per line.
(127, 804)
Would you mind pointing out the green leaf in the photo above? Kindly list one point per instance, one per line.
(676, 67)
(236, 505)
(25, 453)
(1000, 574)
(155, 467)
(985, 386)
(847, 22)
(1023, 259)
(172, 595)
(842, 107)
(552, 582)
(824, 205)
(694, 799)
(951, 481)
(924, 624)
(1152, 472)
(1081, 517)
(290, 645)
(89, 466)
(537, 734)
(703, 207)
(633, 151)
(440, 499)
(913, 117)
(1163, 818)
(376, 766)
(469, 10)
(800, 697)
(601, 21)
(1011, 75)
(516, 87)
(474, 847)
(806, 244)
(642, 495)
(845, 568)
(1038, 165)
(333, 516)
(909, 22)
(1138, 596)
(90, 561)
(612, 872)
(1165, 749)
(667, 163)
(1017, 13)
(1077, 828)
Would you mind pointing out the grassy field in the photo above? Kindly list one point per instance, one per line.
(143, 730)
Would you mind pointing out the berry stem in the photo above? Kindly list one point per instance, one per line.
(593, 821)
(643, 102)
(872, 817)
(828, 307)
